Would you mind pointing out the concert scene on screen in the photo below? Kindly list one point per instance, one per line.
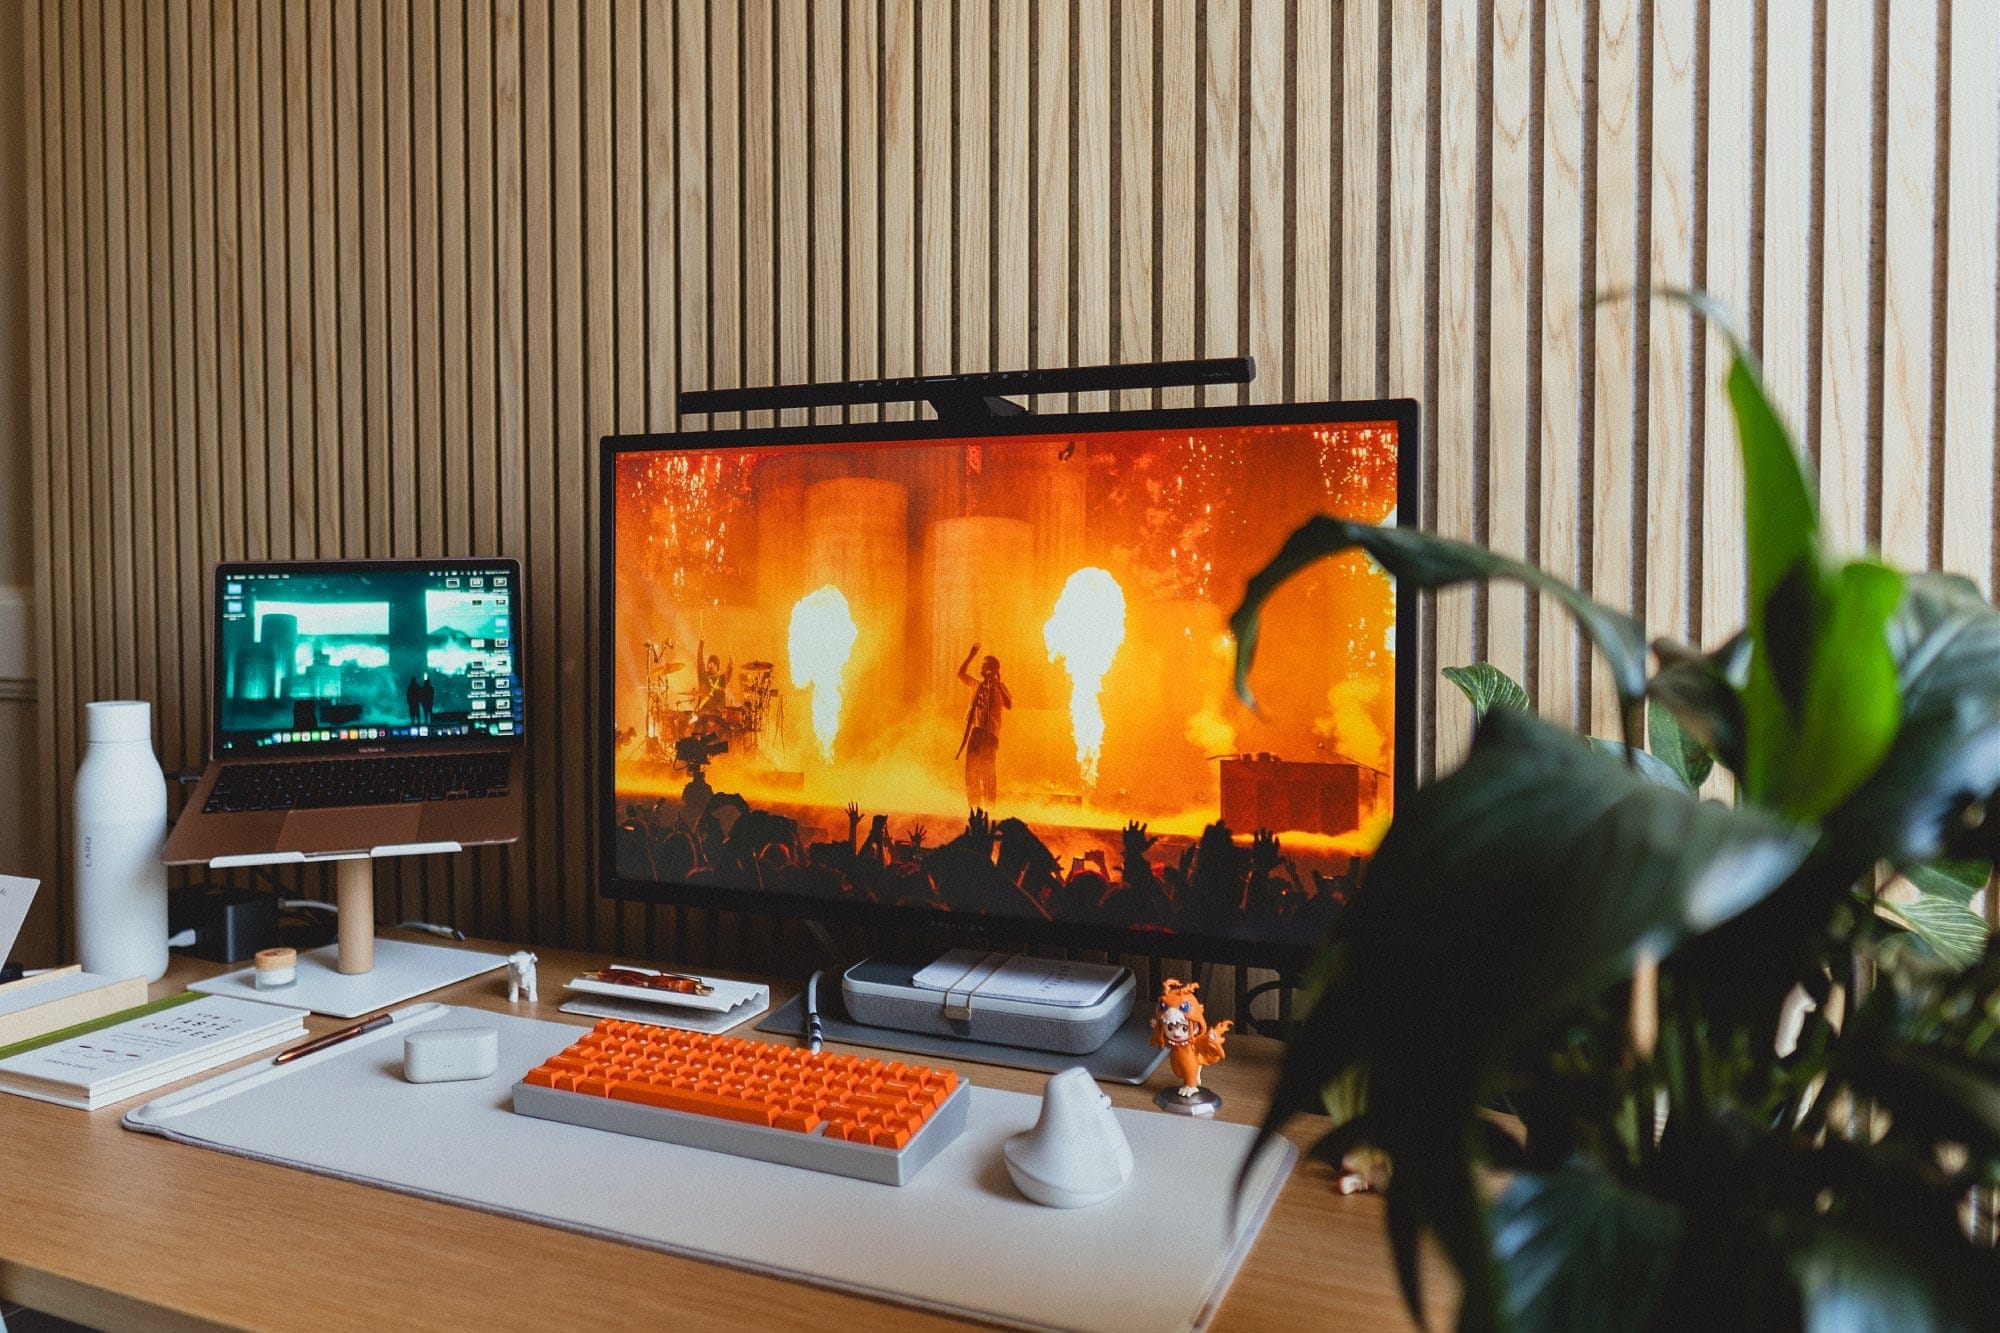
(993, 676)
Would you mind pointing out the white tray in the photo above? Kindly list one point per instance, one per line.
(726, 995)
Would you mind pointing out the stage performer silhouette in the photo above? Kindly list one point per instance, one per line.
(981, 743)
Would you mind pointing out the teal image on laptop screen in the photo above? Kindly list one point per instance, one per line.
(347, 654)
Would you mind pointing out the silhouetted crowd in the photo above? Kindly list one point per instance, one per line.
(994, 867)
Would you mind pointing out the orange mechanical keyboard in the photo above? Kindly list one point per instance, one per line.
(849, 1115)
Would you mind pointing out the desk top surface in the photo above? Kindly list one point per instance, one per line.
(117, 1229)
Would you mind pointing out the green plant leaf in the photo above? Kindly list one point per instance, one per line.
(1702, 692)
(1848, 1286)
(1882, 1247)
(1781, 515)
(1952, 931)
(1676, 747)
(1953, 881)
(1488, 687)
(1650, 767)
(1921, 801)
(1576, 1249)
(1851, 703)
(1506, 895)
(1427, 561)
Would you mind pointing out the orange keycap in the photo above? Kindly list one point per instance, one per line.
(541, 1078)
(697, 1103)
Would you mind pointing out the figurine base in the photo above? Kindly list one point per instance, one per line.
(1203, 1102)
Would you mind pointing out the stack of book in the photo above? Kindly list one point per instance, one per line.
(46, 1001)
(122, 1055)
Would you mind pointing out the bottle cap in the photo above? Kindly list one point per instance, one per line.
(118, 720)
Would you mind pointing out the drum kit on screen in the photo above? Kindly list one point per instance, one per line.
(682, 724)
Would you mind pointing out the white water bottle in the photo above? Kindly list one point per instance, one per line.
(120, 827)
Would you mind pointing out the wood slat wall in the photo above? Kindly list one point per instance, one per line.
(372, 278)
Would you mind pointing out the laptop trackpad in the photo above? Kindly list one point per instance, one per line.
(353, 829)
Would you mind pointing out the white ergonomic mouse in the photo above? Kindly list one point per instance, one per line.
(1076, 1155)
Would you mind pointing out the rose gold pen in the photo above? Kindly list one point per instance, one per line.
(334, 1038)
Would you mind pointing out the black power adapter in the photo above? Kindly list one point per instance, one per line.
(229, 924)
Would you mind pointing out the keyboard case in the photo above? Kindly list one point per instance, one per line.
(879, 992)
(812, 1152)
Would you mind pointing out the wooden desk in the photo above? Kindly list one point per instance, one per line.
(123, 1230)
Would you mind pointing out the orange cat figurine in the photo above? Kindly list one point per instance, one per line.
(1180, 1025)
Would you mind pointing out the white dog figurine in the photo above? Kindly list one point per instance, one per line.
(520, 976)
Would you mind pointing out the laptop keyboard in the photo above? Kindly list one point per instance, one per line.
(319, 784)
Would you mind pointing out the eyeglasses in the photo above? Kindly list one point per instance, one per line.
(625, 976)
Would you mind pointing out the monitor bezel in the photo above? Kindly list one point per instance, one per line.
(386, 744)
(1283, 956)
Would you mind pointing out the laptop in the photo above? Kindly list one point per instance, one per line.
(357, 706)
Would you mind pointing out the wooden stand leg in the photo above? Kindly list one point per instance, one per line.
(354, 895)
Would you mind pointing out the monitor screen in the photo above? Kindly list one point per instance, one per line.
(360, 655)
(904, 669)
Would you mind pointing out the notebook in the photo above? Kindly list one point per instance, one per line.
(122, 1055)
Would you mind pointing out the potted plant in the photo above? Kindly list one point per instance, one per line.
(1555, 1005)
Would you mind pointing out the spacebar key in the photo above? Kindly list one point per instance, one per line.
(695, 1103)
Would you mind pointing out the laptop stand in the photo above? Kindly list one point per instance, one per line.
(358, 974)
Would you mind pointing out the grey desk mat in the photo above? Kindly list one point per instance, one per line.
(1129, 1057)
(1156, 1255)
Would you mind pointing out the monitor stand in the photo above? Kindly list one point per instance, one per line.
(358, 974)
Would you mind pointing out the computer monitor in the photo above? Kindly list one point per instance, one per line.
(979, 674)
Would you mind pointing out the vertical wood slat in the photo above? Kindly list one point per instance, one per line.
(1013, 129)
(1667, 487)
(1359, 260)
(1091, 202)
(1509, 325)
(862, 91)
(1973, 268)
(1847, 502)
(828, 241)
(371, 279)
(1456, 425)
(1179, 92)
(1730, 262)
(41, 934)
(898, 148)
(1268, 228)
(971, 186)
(1615, 331)
(600, 375)
(1781, 334)
(1221, 162)
(757, 182)
(794, 219)
(1564, 290)
(1136, 111)
(1910, 213)
(1408, 296)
